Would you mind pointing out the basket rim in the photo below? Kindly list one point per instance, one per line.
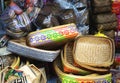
(71, 67)
(106, 63)
(50, 51)
(56, 27)
(91, 77)
(67, 64)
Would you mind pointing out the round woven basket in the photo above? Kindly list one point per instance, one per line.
(70, 78)
(68, 63)
(94, 51)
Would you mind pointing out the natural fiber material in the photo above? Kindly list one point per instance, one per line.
(70, 78)
(107, 26)
(103, 9)
(19, 46)
(104, 18)
(68, 63)
(94, 51)
(101, 3)
(110, 33)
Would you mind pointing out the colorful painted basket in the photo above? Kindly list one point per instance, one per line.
(52, 37)
(94, 51)
(71, 78)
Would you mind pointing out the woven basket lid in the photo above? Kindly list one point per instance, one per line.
(94, 51)
(68, 63)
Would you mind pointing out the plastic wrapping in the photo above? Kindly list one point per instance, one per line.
(81, 12)
(46, 21)
(18, 16)
(67, 16)
(47, 16)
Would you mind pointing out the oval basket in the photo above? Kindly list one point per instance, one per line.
(94, 51)
(70, 78)
(68, 63)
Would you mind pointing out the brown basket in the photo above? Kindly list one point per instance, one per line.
(103, 9)
(104, 18)
(107, 26)
(101, 3)
(94, 51)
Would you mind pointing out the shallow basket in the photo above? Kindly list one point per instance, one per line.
(68, 63)
(94, 51)
(19, 47)
(71, 66)
(71, 78)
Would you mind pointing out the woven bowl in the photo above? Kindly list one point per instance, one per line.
(94, 51)
(68, 63)
(71, 66)
(70, 78)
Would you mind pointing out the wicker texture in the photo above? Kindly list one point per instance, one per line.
(94, 51)
(107, 26)
(71, 78)
(101, 3)
(101, 9)
(104, 18)
(68, 63)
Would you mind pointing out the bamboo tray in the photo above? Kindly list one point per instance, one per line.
(68, 63)
(94, 51)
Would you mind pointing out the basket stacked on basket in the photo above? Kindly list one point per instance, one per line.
(102, 16)
(87, 59)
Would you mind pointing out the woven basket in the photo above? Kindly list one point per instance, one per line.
(18, 46)
(103, 9)
(107, 26)
(94, 51)
(104, 18)
(70, 78)
(101, 3)
(68, 63)
(53, 37)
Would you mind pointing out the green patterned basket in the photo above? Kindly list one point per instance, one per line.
(71, 78)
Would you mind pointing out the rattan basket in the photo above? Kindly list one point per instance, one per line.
(68, 58)
(19, 46)
(94, 51)
(71, 78)
(68, 63)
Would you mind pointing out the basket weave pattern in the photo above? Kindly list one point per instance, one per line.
(94, 51)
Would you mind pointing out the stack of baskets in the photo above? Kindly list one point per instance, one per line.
(87, 59)
(102, 16)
